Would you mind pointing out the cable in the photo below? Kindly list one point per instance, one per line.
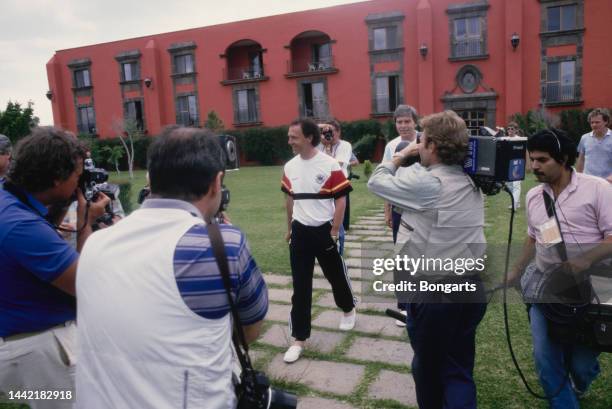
(507, 325)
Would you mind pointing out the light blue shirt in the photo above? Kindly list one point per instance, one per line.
(597, 154)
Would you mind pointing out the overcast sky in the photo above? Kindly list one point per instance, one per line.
(31, 31)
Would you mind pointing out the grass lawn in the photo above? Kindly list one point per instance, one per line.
(257, 207)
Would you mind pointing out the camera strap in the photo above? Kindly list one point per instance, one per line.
(238, 338)
(550, 210)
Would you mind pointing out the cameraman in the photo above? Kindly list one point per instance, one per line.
(5, 157)
(442, 214)
(155, 326)
(37, 284)
(582, 204)
(333, 145)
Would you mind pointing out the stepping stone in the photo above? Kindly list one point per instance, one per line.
(374, 222)
(372, 232)
(394, 385)
(381, 350)
(385, 239)
(352, 237)
(321, 403)
(277, 279)
(369, 324)
(322, 341)
(374, 217)
(352, 245)
(280, 294)
(325, 376)
(365, 227)
(373, 252)
(354, 262)
(323, 284)
(278, 312)
(328, 301)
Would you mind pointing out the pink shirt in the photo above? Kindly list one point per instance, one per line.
(584, 209)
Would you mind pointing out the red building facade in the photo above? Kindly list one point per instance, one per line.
(486, 59)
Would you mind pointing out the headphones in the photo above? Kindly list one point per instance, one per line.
(551, 131)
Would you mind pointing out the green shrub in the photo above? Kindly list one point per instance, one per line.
(364, 148)
(367, 168)
(355, 130)
(265, 145)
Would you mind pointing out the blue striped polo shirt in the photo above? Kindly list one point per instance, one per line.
(198, 277)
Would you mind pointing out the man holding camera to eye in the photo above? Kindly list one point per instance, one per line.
(37, 284)
(155, 327)
(581, 225)
(442, 216)
(333, 145)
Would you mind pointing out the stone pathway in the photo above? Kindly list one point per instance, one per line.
(368, 367)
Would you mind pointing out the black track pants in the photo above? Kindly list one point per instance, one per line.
(307, 243)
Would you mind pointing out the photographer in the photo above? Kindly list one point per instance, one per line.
(5, 157)
(37, 284)
(154, 320)
(333, 145)
(582, 206)
(442, 214)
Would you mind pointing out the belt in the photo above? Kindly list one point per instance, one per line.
(24, 335)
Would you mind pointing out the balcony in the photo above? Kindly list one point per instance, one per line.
(244, 74)
(558, 94)
(244, 63)
(468, 49)
(305, 67)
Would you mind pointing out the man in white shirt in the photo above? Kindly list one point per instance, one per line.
(315, 190)
(595, 148)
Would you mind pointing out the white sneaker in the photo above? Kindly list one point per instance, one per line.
(293, 354)
(347, 322)
(401, 323)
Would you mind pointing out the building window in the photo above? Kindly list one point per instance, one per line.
(321, 56)
(183, 64)
(385, 38)
(133, 112)
(561, 18)
(473, 120)
(387, 94)
(468, 39)
(81, 78)
(130, 70)
(186, 110)
(314, 100)
(86, 121)
(246, 100)
(560, 81)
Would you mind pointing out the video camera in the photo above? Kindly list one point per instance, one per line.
(493, 159)
(93, 181)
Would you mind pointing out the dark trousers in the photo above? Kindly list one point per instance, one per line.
(308, 243)
(346, 222)
(443, 337)
(395, 224)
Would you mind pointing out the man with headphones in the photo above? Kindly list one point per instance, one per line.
(582, 224)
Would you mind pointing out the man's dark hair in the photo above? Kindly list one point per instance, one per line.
(309, 129)
(46, 156)
(183, 163)
(556, 143)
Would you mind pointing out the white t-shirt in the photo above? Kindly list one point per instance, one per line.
(314, 184)
(342, 152)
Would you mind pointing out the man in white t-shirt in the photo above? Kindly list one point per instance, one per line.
(316, 189)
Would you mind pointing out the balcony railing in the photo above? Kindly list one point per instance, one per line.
(557, 93)
(308, 66)
(243, 73)
(471, 47)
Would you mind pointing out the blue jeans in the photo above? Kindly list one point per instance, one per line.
(552, 359)
(443, 337)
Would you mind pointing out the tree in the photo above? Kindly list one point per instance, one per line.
(213, 122)
(114, 153)
(127, 131)
(16, 122)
